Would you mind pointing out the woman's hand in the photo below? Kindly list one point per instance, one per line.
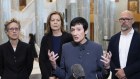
(53, 57)
(106, 58)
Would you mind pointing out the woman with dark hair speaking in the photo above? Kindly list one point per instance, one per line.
(81, 51)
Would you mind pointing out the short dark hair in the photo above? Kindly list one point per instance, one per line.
(79, 20)
(11, 21)
(31, 35)
(32, 38)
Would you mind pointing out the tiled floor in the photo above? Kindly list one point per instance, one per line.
(36, 74)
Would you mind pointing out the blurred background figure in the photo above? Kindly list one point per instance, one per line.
(32, 42)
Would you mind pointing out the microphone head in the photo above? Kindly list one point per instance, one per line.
(78, 71)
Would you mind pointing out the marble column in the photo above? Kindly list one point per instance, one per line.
(98, 21)
(103, 21)
(109, 21)
(61, 7)
(5, 14)
(84, 11)
(39, 8)
(112, 18)
(15, 5)
(72, 12)
(78, 8)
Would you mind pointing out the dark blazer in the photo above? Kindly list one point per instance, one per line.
(18, 64)
(132, 69)
(46, 43)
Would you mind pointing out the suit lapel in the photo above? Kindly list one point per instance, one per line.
(10, 47)
(117, 49)
(132, 46)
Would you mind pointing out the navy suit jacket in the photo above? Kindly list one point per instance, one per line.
(18, 64)
(132, 69)
(88, 55)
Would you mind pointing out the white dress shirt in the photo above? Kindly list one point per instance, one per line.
(124, 45)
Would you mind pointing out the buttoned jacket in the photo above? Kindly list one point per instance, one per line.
(16, 64)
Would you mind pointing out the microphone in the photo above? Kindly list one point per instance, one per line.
(78, 71)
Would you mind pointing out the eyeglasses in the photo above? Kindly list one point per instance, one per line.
(125, 19)
(12, 29)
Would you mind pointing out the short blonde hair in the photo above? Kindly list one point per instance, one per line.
(11, 21)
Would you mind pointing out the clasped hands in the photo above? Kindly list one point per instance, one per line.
(120, 74)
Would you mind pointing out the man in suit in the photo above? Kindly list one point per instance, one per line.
(16, 60)
(125, 49)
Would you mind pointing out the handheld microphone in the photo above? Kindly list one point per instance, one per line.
(78, 71)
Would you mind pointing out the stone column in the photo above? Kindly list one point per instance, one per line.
(103, 21)
(112, 18)
(39, 8)
(5, 14)
(84, 11)
(108, 30)
(98, 21)
(15, 4)
(72, 12)
(61, 7)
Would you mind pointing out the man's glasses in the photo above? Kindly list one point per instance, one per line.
(12, 29)
(125, 19)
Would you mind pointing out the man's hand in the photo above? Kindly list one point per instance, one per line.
(120, 74)
(106, 57)
(53, 57)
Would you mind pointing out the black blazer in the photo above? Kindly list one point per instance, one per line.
(46, 43)
(18, 64)
(132, 69)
